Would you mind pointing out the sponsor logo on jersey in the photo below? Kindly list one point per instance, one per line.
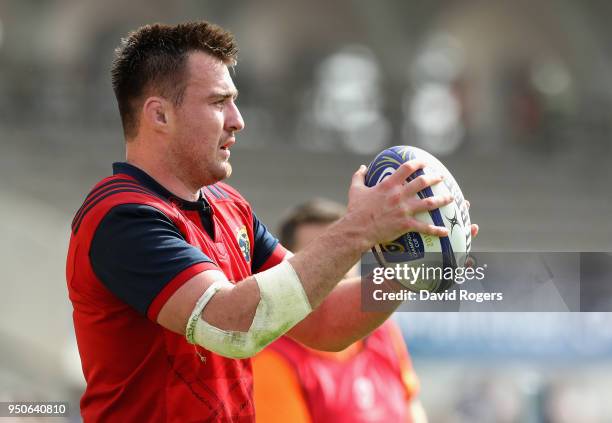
(243, 242)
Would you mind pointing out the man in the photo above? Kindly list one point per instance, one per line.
(370, 381)
(174, 281)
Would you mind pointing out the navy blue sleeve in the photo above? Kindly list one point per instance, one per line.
(264, 244)
(137, 250)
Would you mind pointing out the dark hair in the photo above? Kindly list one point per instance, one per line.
(317, 210)
(153, 59)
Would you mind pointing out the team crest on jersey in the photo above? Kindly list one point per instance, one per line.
(243, 242)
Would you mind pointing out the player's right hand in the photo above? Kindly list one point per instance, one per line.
(386, 211)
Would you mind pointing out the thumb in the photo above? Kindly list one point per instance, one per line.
(359, 176)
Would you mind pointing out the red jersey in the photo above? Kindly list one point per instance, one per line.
(372, 381)
(133, 244)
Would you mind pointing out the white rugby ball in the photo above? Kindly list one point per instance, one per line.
(419, 250)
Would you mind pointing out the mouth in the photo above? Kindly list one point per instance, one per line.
(228, 144)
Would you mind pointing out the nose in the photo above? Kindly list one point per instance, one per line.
(234, 121)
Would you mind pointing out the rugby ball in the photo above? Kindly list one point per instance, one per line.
(414, 249)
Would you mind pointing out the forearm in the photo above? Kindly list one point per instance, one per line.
(374, 215)
(323, 263)
(234, 308)
(342, 318)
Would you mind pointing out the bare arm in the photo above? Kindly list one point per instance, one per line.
(341, 316)
(374, 215)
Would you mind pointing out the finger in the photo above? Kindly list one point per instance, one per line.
(422, 182)
(426, 228)
(431, 203)
(404, 171)
(474, 230)
(359, 176)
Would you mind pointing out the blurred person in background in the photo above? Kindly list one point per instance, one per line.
(370, 381)
(174, 281)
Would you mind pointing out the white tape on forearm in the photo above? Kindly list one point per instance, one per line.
(283, 303)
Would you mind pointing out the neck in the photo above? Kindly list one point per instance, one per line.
(168, 179)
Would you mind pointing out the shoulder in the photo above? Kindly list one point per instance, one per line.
(229, 202)
(132, 215)
(221, 191)
(114, 191)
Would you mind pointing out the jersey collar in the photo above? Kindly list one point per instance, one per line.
(150, 183)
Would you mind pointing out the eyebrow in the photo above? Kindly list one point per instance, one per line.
(224, 95)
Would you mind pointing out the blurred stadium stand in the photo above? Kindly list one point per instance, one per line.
(514, 97)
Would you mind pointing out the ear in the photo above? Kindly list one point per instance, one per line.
(156, 112)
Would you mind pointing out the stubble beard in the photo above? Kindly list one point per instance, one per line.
(195, 168)
(201, 171)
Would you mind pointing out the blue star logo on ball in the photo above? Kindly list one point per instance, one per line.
(453, 221)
